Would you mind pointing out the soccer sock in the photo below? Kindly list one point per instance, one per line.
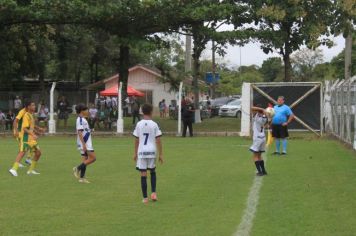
(153, 181)
(262, 165)
(258, 166)
(144, 186)
(15, 166)
(82, 168)
(82, 172)
(32, 166)
(284, 141)
(278, 145)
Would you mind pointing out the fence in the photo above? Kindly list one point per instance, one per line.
(340, 109)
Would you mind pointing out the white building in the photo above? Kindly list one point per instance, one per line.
(144, 79)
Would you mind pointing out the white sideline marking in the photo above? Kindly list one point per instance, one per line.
(246, 223)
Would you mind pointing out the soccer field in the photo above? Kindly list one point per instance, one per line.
(202, 189)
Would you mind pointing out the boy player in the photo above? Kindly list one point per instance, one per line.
(84, 143)
(147, 142)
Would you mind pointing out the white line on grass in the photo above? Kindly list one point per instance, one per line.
(246, 223)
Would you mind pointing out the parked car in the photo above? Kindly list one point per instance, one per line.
(232, 109)
(217, 103)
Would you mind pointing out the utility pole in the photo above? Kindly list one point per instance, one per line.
(188, 53)
(212, 86)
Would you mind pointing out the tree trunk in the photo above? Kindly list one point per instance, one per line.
(287, 68)
(348, 55)
(124, 69)
(78, 74)
(41, 73)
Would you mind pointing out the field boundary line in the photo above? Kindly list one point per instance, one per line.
(245, 226)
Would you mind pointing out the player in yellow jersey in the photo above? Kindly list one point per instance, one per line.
(28, 140)
(17, 125)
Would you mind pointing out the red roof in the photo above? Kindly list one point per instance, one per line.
(113, 92)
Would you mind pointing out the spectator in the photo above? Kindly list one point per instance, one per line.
(126, 107)
(17, 104)
(102, 103)
(2, 120)
(108, 102)
(114, 115)
(183, 102)
(162, 108)
(101, 117)
(114, 102)
(208, 102)
(107, 121)
(135, 110)
(62, 106)
(43, 115)
(93, 116)
(188, 117)
(10, 117)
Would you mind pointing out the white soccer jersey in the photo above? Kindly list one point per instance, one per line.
(259, 122)
(82, 125)
(147, 131)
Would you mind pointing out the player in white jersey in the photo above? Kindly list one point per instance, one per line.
(147, 143)
(84, 143)
(260, 121)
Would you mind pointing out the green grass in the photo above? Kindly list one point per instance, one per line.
(202, 190)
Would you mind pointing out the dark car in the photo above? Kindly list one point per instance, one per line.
(217, 103)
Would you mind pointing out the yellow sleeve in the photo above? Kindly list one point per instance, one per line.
(26, 121)
(21, 113)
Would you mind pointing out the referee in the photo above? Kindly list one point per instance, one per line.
(283, 115)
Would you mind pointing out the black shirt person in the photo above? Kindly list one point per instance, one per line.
(188, 112)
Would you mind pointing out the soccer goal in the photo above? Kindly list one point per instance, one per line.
(304, 98)
(340, 109)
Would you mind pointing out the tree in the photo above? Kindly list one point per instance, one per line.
(304, 62)
(338, 63)
(284, 26)
(202, 20)
(345, 14)
(271, 68)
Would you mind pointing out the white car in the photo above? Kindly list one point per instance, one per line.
(232, 109)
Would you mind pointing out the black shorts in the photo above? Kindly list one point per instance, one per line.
(279, 131)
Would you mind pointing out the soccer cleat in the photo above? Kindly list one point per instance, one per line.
(264, 173)
(84, 181)
(276, 153)
(13, 172)
(76, 172)
(284, 153)
(28, 161)
(32, 172)
(145, 200)
(259, 174)
(154, 197)
(21, 166)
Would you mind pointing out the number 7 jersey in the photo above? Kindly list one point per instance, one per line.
(147, 131)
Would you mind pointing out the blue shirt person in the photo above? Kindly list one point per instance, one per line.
(283, 115)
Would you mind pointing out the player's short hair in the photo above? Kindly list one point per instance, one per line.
(28, 103)
(80, 107)
(282, 97)
(147, 109)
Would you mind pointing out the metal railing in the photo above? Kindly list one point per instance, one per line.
(340, 109)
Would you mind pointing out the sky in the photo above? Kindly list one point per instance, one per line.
(251, 54)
